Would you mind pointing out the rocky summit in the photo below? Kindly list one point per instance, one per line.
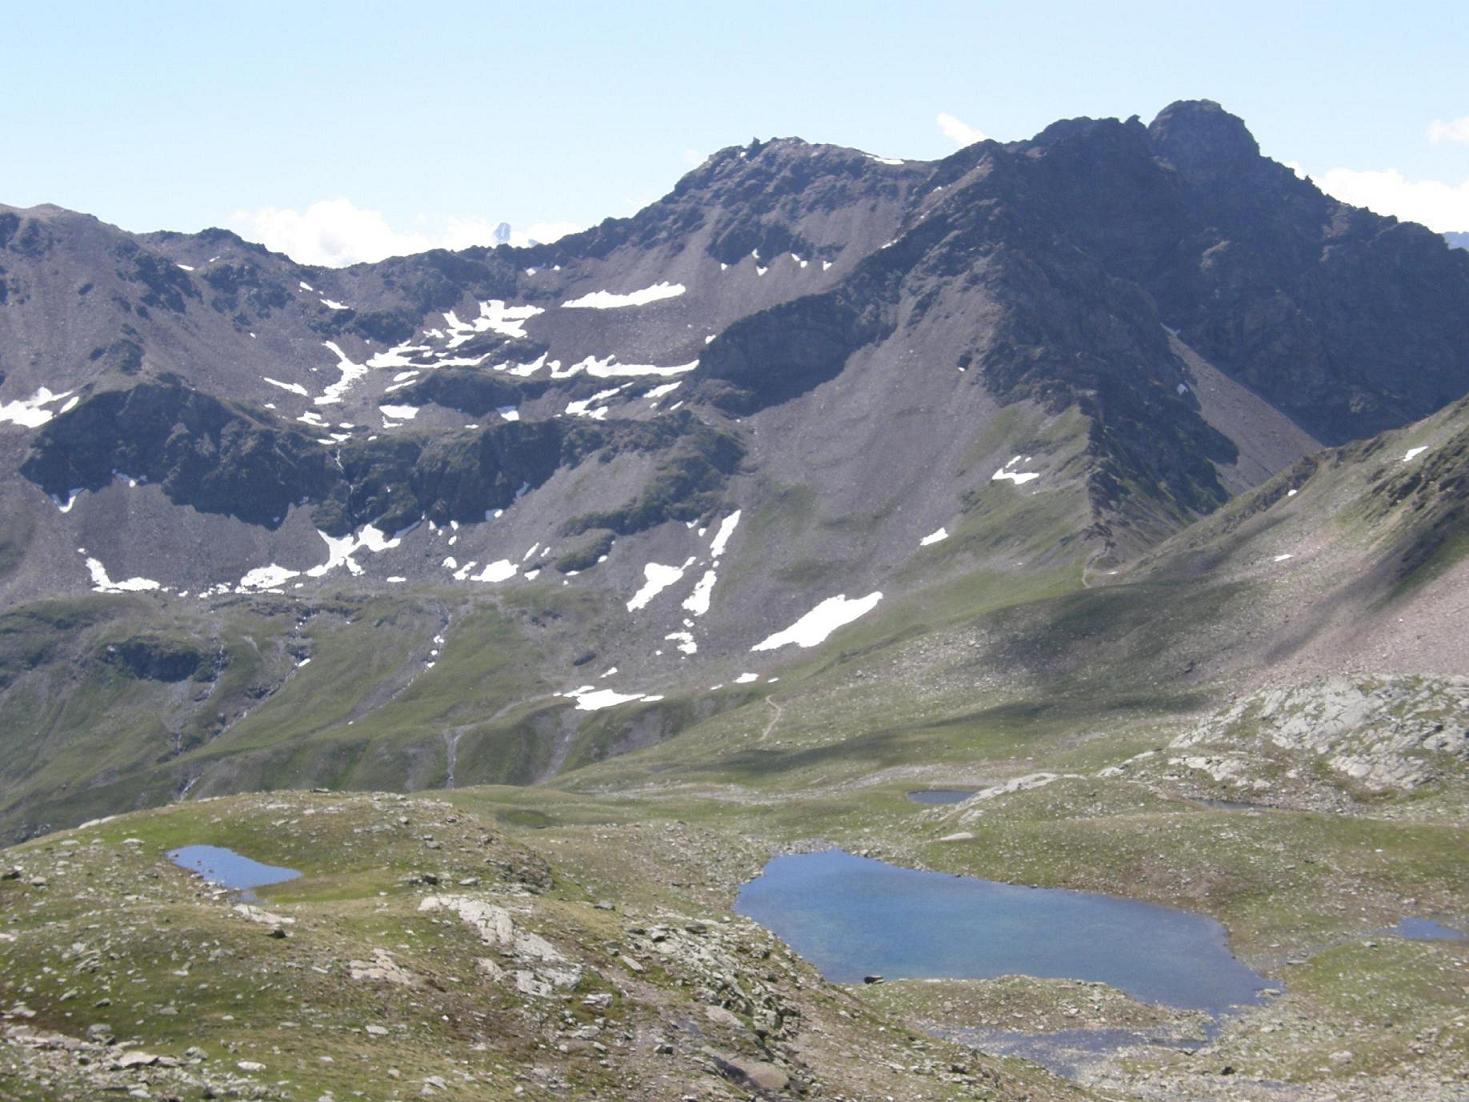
(526, 600)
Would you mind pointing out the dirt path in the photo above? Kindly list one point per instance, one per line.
(779, 711)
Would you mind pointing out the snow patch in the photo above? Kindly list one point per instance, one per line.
(525, 371)
(657, 578)
(294, 388)
(581, 407)
(685, 641)
(591, 699)
(721, 537)
(934, 537)
(71, 499)
(821, 621)
(1412, 454)
(607, 300)
(1020, 478)
(340, 550)
(397, 357)
(609, 368)
(497, 571)
(101, 583)
(268, 577)
(697, 602)
(351, 372)
(494, 316)
(746, 678)
(28, 411)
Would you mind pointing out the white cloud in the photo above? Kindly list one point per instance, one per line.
(1438, 205)
(1455, 130)
(337, 232)
(958, 131)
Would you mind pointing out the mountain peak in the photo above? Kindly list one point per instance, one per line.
(1201, 139)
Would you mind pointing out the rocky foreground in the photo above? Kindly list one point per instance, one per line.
(503, 944)
(423, 954)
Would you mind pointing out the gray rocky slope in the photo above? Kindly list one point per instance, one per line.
(806, 379)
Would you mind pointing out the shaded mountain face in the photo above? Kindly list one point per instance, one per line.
(806, 384)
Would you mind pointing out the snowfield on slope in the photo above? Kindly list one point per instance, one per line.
(102, 583)
(608, 300)
(589, 698)
(1020, 478)
(340, 551)
(813, 628)
(658, 577)
(936, 537)
(27, 412)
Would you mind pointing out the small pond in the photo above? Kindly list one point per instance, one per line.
(941, 795)
(229, 869)
(1425, 929)
(852, 916)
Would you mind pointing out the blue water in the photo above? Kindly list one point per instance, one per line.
(940, 795)
(229, 869)
(1425, 929)
(851, 917)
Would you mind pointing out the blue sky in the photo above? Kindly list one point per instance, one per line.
(342, 130)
